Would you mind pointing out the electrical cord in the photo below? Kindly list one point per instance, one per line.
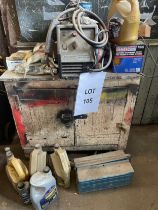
(77, 15)
(107, 65)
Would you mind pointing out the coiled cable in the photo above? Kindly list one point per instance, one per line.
(76, 20)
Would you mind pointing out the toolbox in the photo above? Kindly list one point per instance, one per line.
(103, 171)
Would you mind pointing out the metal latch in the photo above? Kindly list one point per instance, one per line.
(66, 117)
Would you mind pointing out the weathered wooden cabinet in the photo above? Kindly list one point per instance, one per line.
(37, 101)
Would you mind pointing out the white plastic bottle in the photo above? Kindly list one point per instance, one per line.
(37, 159)
(43, 189)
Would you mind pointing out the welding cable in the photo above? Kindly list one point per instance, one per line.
(107, 65)
(76, 20)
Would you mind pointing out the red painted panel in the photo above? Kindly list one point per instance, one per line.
(62, 101)
(128, 116)
(19, 124)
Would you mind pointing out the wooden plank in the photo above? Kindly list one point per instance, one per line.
(10, 22)
(109, 170)
(145, 84)
(102, 126)
(98, 159)
(150, 111)
(116, 79)
(3, 42)
(28, 149)
(127, 119)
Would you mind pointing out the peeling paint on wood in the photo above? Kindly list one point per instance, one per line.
(39, 102)
(19, 122)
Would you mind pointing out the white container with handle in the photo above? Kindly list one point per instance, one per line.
(43, 189)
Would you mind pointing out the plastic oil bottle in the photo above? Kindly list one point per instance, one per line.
(130, 14)
(37, 159)
(61, 165)
(23, 189)
(43, 189)
(15, 169)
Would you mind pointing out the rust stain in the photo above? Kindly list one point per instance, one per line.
(128, 116)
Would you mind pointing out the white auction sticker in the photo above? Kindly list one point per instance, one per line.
(89, 92)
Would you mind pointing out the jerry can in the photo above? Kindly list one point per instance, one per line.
(37, 159)
(61, 165)
(43, 189)
(15, 169)
(129, 12)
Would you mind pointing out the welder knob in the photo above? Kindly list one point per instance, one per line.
(64, 46)
(74, 45)
(74, 34)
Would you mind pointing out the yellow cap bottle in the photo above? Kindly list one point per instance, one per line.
(130, 13)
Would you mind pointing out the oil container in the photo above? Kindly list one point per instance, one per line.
(61, 165)
(37, 159)
(15, 169)
(43, 189)
(129, 14)
(24, 192)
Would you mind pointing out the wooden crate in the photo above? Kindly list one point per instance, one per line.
(36, 102)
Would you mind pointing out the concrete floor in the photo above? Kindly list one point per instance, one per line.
(140, 195)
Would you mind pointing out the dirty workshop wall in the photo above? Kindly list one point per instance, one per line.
(35, 16)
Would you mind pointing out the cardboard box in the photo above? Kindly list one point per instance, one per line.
(11, 64)
(128, 59)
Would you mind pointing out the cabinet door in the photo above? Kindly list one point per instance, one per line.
(39, 109)
(110, 123)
